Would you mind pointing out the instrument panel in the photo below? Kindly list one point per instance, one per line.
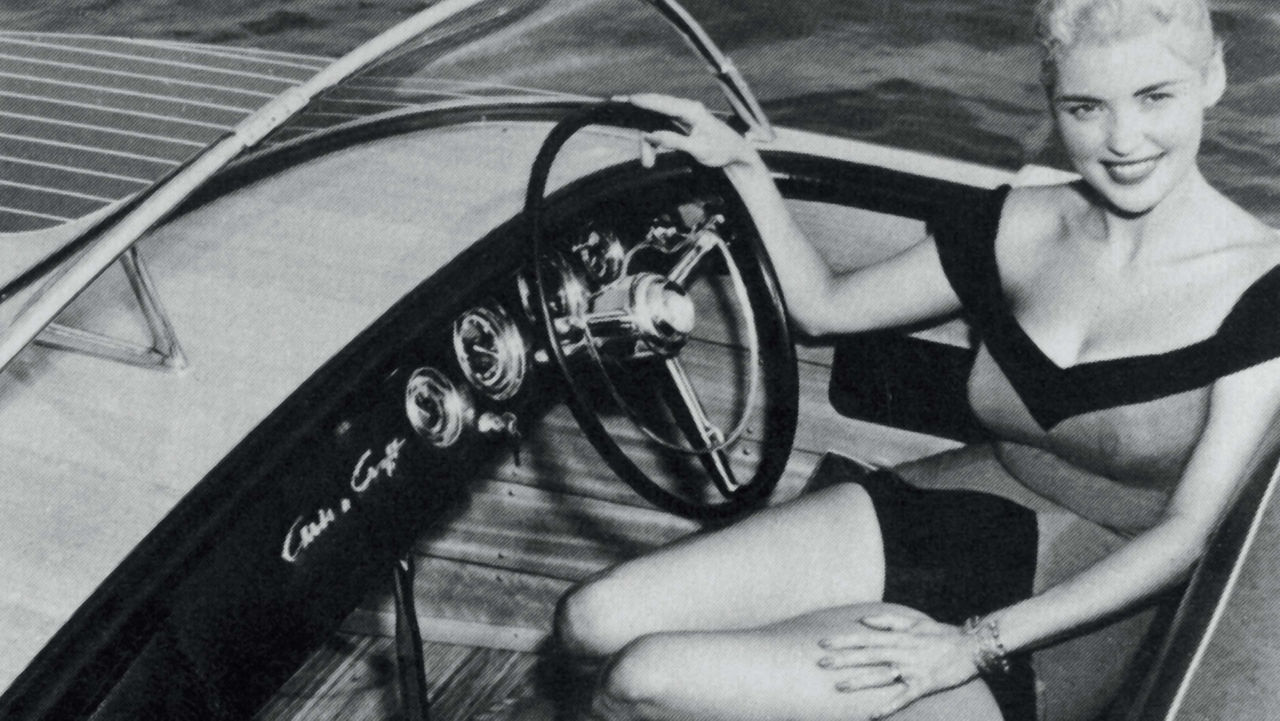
(602, 295)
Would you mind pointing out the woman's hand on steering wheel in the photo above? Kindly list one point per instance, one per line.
(707, 139)
(914, 652)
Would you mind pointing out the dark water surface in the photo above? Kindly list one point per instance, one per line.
(953, 77)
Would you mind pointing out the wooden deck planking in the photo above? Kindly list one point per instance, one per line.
(354, 679)
(465, 602)
(12, 86)
(109, 105)
(554, 534)
(221, 93)
(24, 222)
(293, 66)
(109, 140)
(68, 180)
(79, 157)
(133, 121)
(206, 71)
(38, 200)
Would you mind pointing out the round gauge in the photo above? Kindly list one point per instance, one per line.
(438, 410)
(490, 351)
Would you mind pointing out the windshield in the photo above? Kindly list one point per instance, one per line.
(524, 49)
(958, 80)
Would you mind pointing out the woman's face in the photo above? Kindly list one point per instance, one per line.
(1130, 113)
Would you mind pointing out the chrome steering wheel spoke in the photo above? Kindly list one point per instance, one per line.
(703, 243)
(707, 439)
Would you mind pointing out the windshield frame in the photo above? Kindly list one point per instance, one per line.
(86, 256)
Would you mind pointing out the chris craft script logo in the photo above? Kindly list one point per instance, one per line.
(306, 530)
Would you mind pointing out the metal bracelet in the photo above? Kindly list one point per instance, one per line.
(990, 656)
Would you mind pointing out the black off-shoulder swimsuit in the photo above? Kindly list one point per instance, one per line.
(1105, 440)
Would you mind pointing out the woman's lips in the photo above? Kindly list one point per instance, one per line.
(1131, 172)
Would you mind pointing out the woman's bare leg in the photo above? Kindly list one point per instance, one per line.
(818, 551)
(765, 674)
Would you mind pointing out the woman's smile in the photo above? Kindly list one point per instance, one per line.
(1132, 171)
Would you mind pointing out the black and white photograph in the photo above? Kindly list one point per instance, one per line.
(640, 360)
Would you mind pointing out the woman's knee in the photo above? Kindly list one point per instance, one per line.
(591, 620)
(846, 498)
(637, 680)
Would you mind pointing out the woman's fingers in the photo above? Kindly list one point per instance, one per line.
(838, 660)
(865, 677)
(668, 139)
(686, 111)
(864, 638)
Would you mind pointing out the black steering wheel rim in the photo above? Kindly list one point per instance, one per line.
(777, 358)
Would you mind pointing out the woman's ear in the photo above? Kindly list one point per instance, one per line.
(1215, 78)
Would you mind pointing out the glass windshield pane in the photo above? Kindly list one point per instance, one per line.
(550, 49)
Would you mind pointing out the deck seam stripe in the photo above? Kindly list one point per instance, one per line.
(145, 59)
(122, 111)
(136, 93)
(206, 48)
(138, 76)
(152, 41)
(119, 153)
(71, 193)
(33, 214)
(82, 171)
(105, 129)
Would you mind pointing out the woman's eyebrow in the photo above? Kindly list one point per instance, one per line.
(1158, 87)
(1076, 99)
(1080, 98)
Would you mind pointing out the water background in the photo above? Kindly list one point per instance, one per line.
(953, 77)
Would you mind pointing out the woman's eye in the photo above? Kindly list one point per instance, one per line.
(1083, 111)
(1156, 98)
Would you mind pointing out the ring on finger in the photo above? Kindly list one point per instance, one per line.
(897, 674)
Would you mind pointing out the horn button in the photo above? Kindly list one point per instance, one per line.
(646, 307)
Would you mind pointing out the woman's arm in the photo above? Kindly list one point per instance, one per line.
(932, 656)
(906, 288)
(1242, 411)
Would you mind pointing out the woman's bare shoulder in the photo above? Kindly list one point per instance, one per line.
(1034, 217)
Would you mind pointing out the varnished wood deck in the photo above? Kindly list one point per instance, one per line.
(86, 121)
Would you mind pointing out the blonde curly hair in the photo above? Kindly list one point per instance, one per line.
(1061, 24)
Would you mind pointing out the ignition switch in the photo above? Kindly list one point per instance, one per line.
(501, 424)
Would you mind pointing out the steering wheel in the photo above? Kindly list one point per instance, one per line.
(627, 309)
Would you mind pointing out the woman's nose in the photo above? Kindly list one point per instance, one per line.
(1124, 136)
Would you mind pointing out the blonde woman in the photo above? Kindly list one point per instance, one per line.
(1128, 330)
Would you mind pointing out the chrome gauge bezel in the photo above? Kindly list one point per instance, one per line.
(438, 409)
(510, 352)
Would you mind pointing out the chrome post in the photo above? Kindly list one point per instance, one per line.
(164, 351)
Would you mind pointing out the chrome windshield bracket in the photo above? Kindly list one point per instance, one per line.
(164, 352)
(735, 88)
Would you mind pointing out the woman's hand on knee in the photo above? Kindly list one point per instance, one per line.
(909, 650)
